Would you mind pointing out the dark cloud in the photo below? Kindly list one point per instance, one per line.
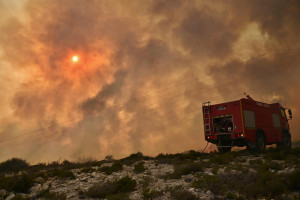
(145, 67)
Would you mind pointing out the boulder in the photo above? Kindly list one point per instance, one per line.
(2, 193)
(40, 180)
(11, 196)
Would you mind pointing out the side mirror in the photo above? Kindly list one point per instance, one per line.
(290, 113)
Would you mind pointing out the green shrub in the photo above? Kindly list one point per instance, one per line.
(46, 194)
(192, 155)
(101, 190)
(134, 158)
(139, 167)
(19, 197)
(221, 159)
(117, 166)
(150, 194)
(276, 154)
(230, 195)
(267, 184)
(294, 180)
(215, 169)
(146, 181)
(118, 196)
(20, 184)
(13, 165)
(186, 168)
(61, 173)
(181, 194)
(37, 167)
(87, 170)
(256, 162)
(212, 183)
(272, 165)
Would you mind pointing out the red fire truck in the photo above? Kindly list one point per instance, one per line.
(246, 122)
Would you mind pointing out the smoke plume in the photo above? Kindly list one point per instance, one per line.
(144, 69)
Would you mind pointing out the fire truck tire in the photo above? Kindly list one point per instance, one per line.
(286, 141)
(260, 143)
(224, 149)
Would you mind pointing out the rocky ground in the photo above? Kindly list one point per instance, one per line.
(190, 175)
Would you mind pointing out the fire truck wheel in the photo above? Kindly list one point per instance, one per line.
(260, 143)
(286, 141)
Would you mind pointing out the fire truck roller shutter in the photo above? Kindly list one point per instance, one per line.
(249, 119)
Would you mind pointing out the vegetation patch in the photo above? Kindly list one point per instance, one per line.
(87, 170)
(294, 180)
(17, 183)
(13, 165)
(221, 159)
(276, 153)
(186, 168)
(182, 194)
(139, 167)
(117, 166)
(134, 158)
(212, 183)
(118, 196)
(61, 173)
(100, 190)
(151, 194)
(46, 194)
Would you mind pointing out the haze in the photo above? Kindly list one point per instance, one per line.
(143, 70)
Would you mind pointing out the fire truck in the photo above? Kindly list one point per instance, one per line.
(246, 122)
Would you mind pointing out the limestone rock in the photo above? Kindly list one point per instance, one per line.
(11, 196)
(40, 180)
(2, 192)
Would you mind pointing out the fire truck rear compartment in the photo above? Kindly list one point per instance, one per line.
(223, 124)
(223, 128)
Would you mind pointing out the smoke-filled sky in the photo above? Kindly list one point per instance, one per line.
(144, 68)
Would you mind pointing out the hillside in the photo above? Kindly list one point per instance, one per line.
(191, 175)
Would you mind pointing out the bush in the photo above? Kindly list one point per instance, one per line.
(20, 184)
(186, 168)
(46, 194)
(272, 165)
(13, 165)
(221, 159)
(276, 154)
(100, 190)
(134, 158)
(294, 180)
(256, 162)
(150, 194)
(230, 195)
(19, 197)
(139, 168)
(117, 166)
(267, 184)
(118, 196)
(87, 170)
(212, 183)
(181, 194)
(61, 173)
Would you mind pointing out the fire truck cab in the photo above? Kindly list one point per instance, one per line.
(246, 122)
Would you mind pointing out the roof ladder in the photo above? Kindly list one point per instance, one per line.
(206, 117)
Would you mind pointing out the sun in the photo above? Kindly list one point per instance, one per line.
(75, 59)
